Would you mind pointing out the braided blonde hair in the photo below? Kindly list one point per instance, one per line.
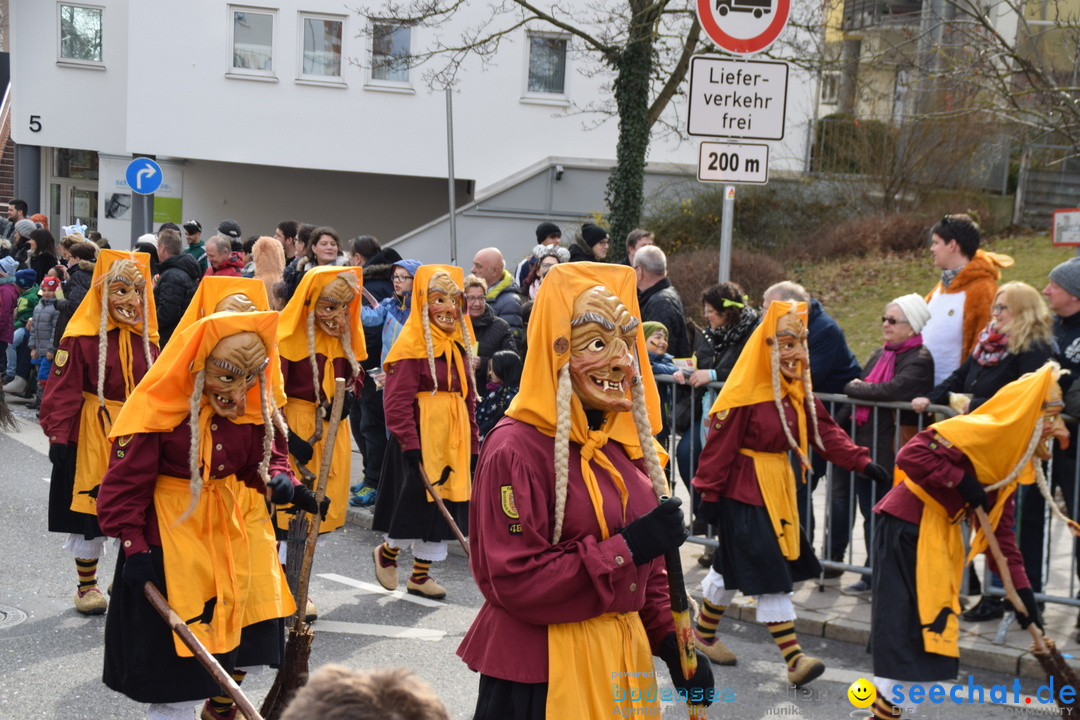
(195, 482)
(316, 378)
(563, 397)
(648, 445)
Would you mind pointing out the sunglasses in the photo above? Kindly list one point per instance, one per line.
(892, 321)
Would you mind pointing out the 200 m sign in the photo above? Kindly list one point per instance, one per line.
(733, 163)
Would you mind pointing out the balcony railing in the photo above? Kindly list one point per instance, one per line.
(860, 14)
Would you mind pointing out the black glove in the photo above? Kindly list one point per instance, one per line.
(346, 403)
(698, 689)
(281, 489)
(59, 453)
(708, 512)
(413, 460)
(300, 449)
(139, 570)
(876, 473)
(304, 499)
(1032, 616)
(656, 532)
(973, 493)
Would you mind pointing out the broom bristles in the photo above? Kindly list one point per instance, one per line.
(1055, 667)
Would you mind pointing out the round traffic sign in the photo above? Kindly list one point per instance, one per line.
(143, 176)
(743, 27)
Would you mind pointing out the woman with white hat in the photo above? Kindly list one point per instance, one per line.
(901, 369)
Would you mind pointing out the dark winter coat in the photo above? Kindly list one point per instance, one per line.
(493, 334)
(175, 287)
(661, 303)
(41, 263)
(982, 381)
(43, 328)
(913, 377)
(832, 364)
(75, 288)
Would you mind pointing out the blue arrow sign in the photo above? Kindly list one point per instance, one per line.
(143, 176)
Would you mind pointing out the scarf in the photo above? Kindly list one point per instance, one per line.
(726, 336)
(947, 276)
(991, 347)
(885, 369)
(505, 282)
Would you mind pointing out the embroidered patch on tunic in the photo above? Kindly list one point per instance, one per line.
(514, 528)
(123, 440)
(939, 439)
(61, 358)
(506, 496)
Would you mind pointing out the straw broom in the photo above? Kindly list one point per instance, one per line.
(293, 673)
(1042, 647)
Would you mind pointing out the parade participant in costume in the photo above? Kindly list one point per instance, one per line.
(430, 405)
(765, 409)
(107, 347)
(320, 338)
(952, 467)
(567, 535)
(230, 294)
(202, 420)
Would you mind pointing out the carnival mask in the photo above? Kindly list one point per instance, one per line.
(332, 307)
(444, 302)
(237, 302)
(1053, 426)
(232, 368)
(125, 286)
(791, 341)
(601, 363)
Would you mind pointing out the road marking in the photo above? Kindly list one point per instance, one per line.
(380, 590)
(386, 631)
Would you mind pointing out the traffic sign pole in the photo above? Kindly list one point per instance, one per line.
(727, 219)
(144, 176)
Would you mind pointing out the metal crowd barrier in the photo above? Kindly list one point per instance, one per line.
(1059, 569)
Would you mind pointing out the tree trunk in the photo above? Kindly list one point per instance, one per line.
(625, 191)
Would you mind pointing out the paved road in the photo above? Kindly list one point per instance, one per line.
(50, 662)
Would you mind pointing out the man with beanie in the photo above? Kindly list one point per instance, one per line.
(591, 243)
(960, 303)
(20, 246)
(660, 301)
(196, 248)
(1063, 298)
(547, 233)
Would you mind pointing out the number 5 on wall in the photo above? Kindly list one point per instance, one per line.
(35, 123)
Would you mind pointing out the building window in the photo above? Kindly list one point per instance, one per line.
(390, 47)
(321, 40)
(547, 65)
(830, 88)
(252, 41)
(80, 34)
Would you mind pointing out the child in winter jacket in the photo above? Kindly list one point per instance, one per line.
(18, 352)
(42, 329)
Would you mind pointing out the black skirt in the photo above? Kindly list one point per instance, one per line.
(749, 556)
(507, 700)
(140, 656)
(895, 630)
(402, 509)
(62, 519)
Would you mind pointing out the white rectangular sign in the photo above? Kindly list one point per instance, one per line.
(737, 98)
(733, 163)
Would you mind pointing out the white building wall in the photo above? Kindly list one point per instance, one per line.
(164, 91)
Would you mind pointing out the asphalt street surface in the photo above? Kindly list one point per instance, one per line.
(51, 657)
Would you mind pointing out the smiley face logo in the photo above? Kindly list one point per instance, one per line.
(862, 693)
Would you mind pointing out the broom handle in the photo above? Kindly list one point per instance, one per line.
(320, 492)
(1006, 577)
(203, 655)
(680, 614)
(445, 513)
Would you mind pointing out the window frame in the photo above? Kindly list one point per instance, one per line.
(230, 24)
(374, 83)
(314, 79)
(77, 62)
(542, 98)
(830, 81)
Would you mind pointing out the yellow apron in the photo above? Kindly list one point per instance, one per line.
(206, 559)
(300, 416)
(268, 595)
(777, 483)
(446, 441)
(92, 451)
(939, 568)
(601, 668)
